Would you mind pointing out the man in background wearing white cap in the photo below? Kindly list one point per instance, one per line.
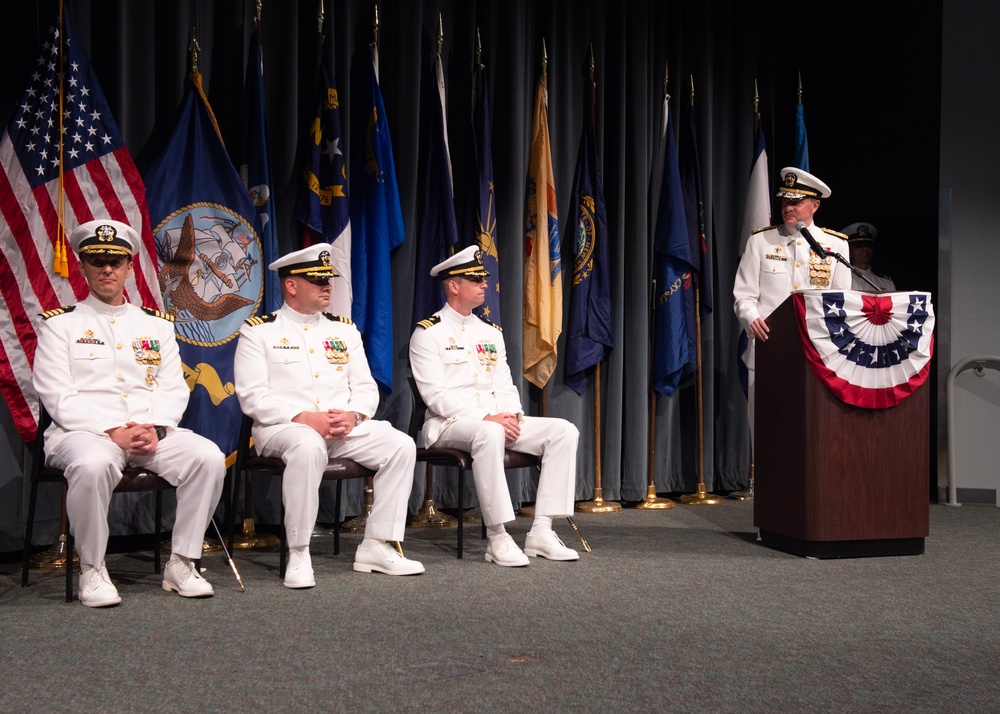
(110, 375)
(779, 259)
(302, 375)
(861, 243)
(459, 363)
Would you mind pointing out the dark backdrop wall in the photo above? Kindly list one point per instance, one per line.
(871, 95)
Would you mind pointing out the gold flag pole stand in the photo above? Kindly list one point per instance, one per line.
(700, 497)
(429, 516)
(598, 505)
(652, 502)
(55, 557)
(249, 537)
(358, 523)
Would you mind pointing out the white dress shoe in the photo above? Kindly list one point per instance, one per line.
(376, 555)
(548, 545)
(502, 550)
(96, 589)
(299, 572)
(181, 577)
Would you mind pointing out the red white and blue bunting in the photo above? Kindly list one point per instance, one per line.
(871, 351)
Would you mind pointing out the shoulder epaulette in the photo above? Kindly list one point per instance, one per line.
(429, 322)
(58, 311)
(491, 324)
(158, 313)
(261, 319)
(337, 318)
(761, 230)
(834, 233)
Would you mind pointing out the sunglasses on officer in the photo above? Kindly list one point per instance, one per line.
(318, 282)
(117, 262)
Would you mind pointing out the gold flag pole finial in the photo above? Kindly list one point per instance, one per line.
(440, 37)
(800, 87)
(193, 49)
(479, 49)
(692, 89)
(545, 58)
(256, 12)
(591, 67)
(375, 27)
(756, 97)
(666, 80)
(320, 17)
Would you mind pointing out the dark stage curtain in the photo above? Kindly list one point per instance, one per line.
(871, 139)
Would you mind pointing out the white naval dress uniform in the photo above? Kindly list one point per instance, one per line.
(884, 284)
(460, 366)
(776, 262)
(96, 368)
(287, 363)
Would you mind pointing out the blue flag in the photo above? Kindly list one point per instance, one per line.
(437, 234)
(672, 351)
(211, 262)
(377, 221)
(256, 172)
(486, 206)
(588, 330)
(694, 212)
(321, 206)
(801, 139)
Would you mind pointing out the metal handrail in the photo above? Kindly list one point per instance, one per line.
(979, 363)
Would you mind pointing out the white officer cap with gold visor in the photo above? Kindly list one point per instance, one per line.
(104, 237)
(796, 183)
(467, 263)
(311, 262)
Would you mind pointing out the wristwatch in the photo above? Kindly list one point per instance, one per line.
(359, 417)
(161, 432)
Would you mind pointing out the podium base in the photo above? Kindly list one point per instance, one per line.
(842, 548)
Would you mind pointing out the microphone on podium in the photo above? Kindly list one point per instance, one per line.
(817, 248)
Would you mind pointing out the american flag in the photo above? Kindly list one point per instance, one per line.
(62, 120)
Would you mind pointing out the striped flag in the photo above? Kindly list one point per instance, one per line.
(62, 160)
(486, 206)
(757, 209)
(542, 264)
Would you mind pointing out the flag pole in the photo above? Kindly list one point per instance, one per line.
(747, 494)
(598, 504)
(428, 516)
(651, 501)
(700, 497)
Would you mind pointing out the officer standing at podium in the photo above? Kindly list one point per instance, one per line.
(778, 260)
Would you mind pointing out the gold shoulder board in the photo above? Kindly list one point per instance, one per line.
(260, 319)
(58, 311)
(158, 313)
(338, 318)
(429, 322)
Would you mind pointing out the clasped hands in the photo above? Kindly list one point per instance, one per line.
(511, 424)
(136, 439)
(331, 424)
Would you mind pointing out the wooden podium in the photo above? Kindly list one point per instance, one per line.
(833, 480)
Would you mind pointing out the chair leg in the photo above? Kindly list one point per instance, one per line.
(29, 527)
(336, 516)
(157, 538)
(461, 505)
(69, 562)
(283, 545)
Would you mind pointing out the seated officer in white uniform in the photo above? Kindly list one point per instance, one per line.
(778, 260)
(861, 243)
(110, 375)
(303, 377)
(459, 363)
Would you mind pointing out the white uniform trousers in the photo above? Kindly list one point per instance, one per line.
(555, 440)
(93, 467)
(305, 453)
